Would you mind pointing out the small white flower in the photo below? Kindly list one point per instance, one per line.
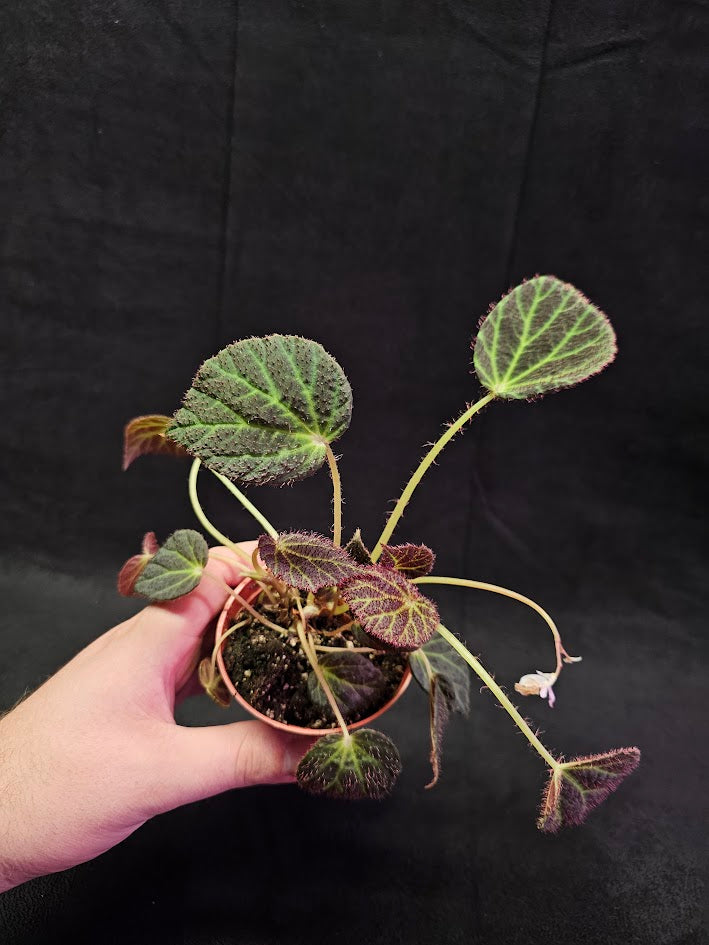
(538, 684)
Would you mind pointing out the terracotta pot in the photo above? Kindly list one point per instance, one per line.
(248, 591)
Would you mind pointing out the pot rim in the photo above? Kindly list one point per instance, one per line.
(249, 589)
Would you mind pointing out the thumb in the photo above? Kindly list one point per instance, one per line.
(205, 761)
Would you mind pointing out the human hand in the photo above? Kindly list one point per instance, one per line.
(95, 751)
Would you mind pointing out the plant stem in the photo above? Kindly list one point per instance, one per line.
(418, 475)
(313, 660)
(259, 617)
(248, 505)
(345, 649)
(482, 586)
(204, 521)
(336, 496)
(480, 671)
(222, 638)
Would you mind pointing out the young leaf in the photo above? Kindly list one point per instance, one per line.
(411, 560)
(306, 560)
(366, 765)
(134, 567)
(176, 568)
(541, 336)
(355, 681)
(262, 410)
(579, 786)
(146, 434)
(438, 659)
(213, 684)
(390, 608)
(439, 709)
(356, 549)
(439, 670)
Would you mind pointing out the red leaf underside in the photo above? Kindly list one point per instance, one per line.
(581, 785)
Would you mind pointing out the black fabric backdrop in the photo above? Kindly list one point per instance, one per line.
(373, 174)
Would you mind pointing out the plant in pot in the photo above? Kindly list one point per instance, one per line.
(321, 635)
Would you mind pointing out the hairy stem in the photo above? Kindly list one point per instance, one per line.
(222, 638)
(311, 655)
(248, 505)
(483, 674)
(336, 497)
(204, 521)
(257, 616)
(496, 589)
(345, 649)
(423, 466)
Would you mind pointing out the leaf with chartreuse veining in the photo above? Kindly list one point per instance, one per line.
(442, 673)
(354, 680)
(438, 658)
(543, 335)
(411, 560)
(579, 786)
(176, 568)
(390, 608)
(147, 435)
(365, 765)
(306, 560)
(263, 410)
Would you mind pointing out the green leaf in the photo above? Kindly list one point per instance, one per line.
(146, 434)
(134, 567)
(306, 560)
(411, 560)
(438, 659)
(542, 336)
(354, 680)
(176, 568)
(577, 787)
(390, 608)
(365, 765)
(439, 670)
(262, 410)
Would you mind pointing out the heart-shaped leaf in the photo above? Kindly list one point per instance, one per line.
(354, 680)
(134, 567)
(541, 336)
(579, 786)
(390, 608)
(176, 568)
(438, 659)
(147, 435)
(411, 560)
(263, 410)
(357, 549)
(306, 560)
(445, 676)
(364, 765)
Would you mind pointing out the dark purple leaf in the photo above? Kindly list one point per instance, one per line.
(306, 560)
(411, 560)
(390, 608)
